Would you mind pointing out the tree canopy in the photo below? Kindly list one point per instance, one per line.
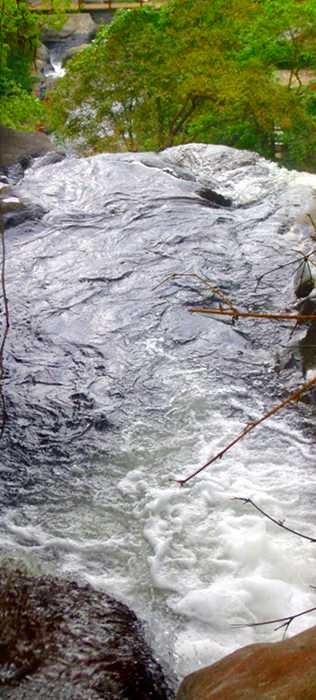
(196, 70)
(20, 30)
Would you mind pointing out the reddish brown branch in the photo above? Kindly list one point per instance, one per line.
(294, 396)
(236, 313)
(280, 523)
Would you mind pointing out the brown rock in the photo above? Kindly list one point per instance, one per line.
(21, 146)
(64, 641)
(277, 671)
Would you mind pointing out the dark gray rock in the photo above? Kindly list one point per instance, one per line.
(42, 53)
(60, 640)
(22, 213)
(80, 24)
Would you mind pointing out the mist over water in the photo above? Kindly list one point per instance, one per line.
(114, 390)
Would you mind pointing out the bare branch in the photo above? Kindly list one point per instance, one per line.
(236, 313)
(294, 396)
(305, 258)
(285, 621)
(280, 523)
(274, 269)
(309, 216)
(215, 290)
(6, 321)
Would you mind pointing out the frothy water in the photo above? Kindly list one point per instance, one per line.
(114, 390)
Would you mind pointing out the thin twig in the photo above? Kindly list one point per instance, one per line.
(305, 258)
(215, 290)
(237, 313)
(294, 396)
(309, 216)
(286, 621)
(274, 269)
(280, 523)
(6, 321)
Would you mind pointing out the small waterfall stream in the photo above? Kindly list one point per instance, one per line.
(114, 390)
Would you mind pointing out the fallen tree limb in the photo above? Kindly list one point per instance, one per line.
(294, 396)
(235, 314)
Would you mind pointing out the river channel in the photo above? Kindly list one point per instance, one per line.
(114, 390)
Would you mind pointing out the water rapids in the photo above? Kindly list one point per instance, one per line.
(114, 390)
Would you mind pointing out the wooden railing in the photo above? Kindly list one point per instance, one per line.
(111, 4)
(84, 6)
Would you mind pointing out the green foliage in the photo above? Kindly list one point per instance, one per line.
(21, 110)
(194, 70)
(19, 37)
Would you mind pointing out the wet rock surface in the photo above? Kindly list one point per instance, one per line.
(60, 640)
(278, 671)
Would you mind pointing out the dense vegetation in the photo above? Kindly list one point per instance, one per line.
(193, 70)
(19, 37)
(196, 70)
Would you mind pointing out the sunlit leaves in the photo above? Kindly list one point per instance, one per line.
(194, 69)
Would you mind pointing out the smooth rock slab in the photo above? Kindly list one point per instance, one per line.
(277, 671)
(60, 640)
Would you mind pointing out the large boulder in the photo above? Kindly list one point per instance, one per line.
(277, 671)
(60, 640)
(42, 60)
(79, 24)
(21, 146)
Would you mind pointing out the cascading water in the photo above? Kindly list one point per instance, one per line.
(114, 390)
(55, 67)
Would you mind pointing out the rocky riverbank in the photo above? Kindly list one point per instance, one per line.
(17, 151)
(62, 640)
(119, 209)
(277, 671)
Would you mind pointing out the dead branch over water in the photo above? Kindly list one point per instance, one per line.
(279, 523)
(293, 397)
(285, 621)
(235, 314)
(6, 322)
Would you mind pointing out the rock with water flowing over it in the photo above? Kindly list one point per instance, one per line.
(277, 671)
(62, 640)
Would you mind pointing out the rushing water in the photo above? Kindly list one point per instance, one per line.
(114, 390)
